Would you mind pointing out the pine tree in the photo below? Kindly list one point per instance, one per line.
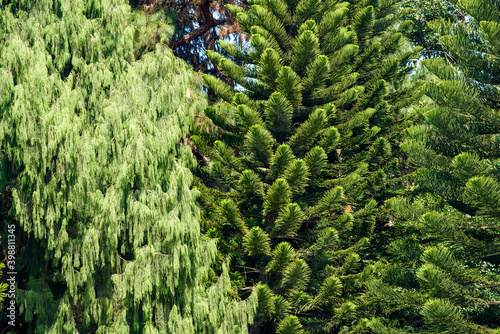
(92, 155)
(444, 275)
(296, 153)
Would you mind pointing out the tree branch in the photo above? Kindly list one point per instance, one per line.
(251, 270)
(488, 255)
(209, 24)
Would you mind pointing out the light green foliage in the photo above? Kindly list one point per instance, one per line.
(92, 151)
(446, 273)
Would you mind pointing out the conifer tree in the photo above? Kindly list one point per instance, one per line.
(444, 276)
(296, 153)
(92, 155)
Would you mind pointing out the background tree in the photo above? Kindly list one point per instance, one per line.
(97, 177)
(295, 155)
(424, 11)
(444, 274)
(199, 24)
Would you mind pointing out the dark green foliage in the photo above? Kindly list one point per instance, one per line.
(317, 108)
(445, 272)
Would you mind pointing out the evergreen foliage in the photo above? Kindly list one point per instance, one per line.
(303, 148)
(92, 154)
(3, 286)
(308, 228)
(444, 276)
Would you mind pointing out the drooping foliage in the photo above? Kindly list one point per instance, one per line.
(296, 154)
(97, 175)
(444, 276)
